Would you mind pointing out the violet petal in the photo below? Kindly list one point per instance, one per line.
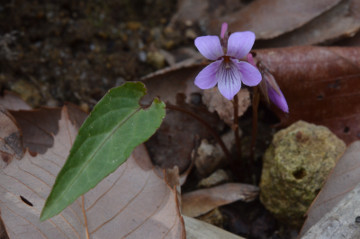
(278, 99)
(250, 75)
(209, 47)
(240, 44)
(229, 80)
(206, 79)
(224, 27)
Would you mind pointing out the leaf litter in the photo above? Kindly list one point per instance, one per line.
(126, 197)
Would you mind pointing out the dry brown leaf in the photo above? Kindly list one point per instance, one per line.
(10, 139)
(341, 21)
(344, 178)
(339, 222)
(164, 147)
(134, 201)
(225, 108)
(201, 201)
(12, 101)
(202, 12)
(271, 18)
(168, 83)
(37, 127)
(196, 229)
(321, 85)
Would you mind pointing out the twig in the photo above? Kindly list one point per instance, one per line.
(236, 127)
(255, 106)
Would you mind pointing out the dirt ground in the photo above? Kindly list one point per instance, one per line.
(52, 52)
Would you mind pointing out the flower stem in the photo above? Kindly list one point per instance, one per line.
(212, 131)
(236, 127)
(255, 106)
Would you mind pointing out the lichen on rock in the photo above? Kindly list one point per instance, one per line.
(295, 167)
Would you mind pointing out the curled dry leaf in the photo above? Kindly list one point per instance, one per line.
(133, 201)
(320, 85)
(225, 108)
(271, 18)
(201, 201)
(343, 179)
(343, 20)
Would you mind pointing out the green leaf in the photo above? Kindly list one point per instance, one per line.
(113, 129)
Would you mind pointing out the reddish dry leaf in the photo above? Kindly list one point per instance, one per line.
(133, 201)
(321, 85)
(343, 178)
(10, 139)
(341, 21)
(201, 201)
(271, 18)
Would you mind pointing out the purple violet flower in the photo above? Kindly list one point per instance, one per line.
(270, 88)
(227, 71)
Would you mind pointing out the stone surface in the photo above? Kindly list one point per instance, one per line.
(295, 167)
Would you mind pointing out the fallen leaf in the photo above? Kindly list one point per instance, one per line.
(37, 127)
(320, 85)
(196, 229)
(12, 101)
(343, 179)
(271, 18)
(343, 20)
(164, 147)
(133, 201)
(225, 108)
(339, 222)
(168, 83)
(202, 12)
(10, 139)
(201, 201)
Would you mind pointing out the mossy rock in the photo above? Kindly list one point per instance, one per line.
(295, 167)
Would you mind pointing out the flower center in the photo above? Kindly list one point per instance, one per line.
(227, 62)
